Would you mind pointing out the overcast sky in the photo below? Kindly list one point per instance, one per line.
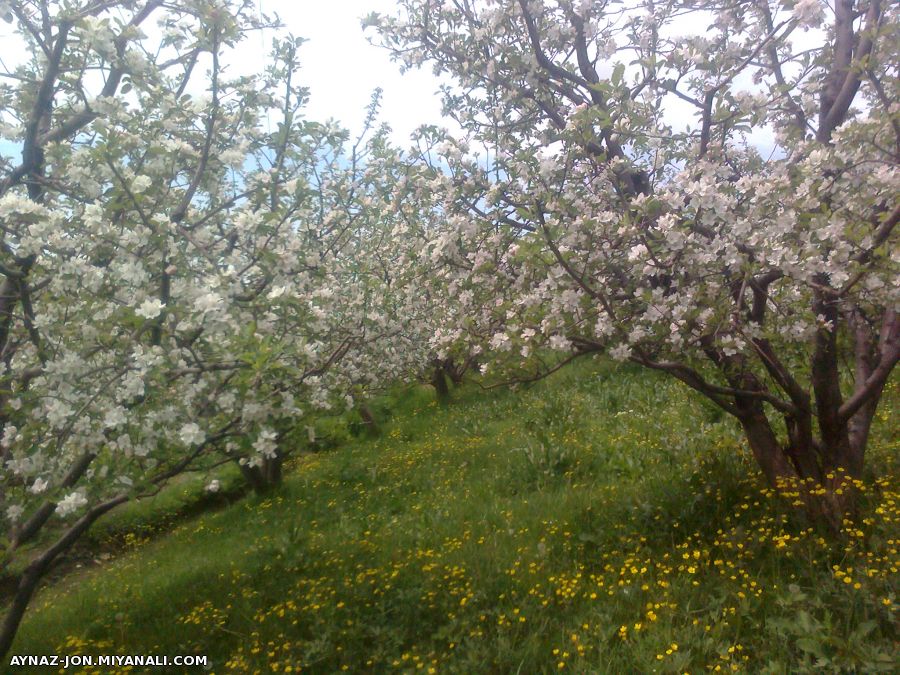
(339, 65)
(342, 69)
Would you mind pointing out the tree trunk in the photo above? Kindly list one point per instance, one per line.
(273, 468)
(368, 419)
(826, 384)
(454, 372)
(796, 468)
(764, 445)
(36, 570)
(264, 477)
(866, 359)
(439, 382)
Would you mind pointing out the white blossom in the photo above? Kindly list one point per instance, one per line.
(140, 184)
(114, 417)
(191, 434)
(150, 309)
(71, 503)
(14, 512)
(620, 352)
(38, 486)
(809, 13)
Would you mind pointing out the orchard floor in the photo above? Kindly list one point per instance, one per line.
(602, 521)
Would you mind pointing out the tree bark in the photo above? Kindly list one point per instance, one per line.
(826, 384)
(439, 382)
(368, 419)
(36, 570)
(865, 361)
(764, 444)
(454, 371)
(273, 468)
(265, 477)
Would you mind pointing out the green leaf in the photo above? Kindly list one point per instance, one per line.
(811, 646)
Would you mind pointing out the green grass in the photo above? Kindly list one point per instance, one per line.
(605, 520)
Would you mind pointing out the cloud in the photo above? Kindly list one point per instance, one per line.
(338, 65)
(342, 69)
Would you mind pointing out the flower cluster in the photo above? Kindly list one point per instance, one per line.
(629, 205)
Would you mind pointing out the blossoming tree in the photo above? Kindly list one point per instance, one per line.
(186, 264)
(718, 205)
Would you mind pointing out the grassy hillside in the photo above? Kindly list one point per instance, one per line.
(603, 521)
